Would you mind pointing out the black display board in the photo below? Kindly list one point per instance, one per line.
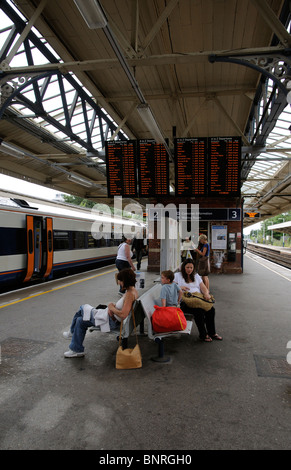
(203, 167)
(191, 166)
(153, 169)
(224, 166)
(207, 166)
(121, 168)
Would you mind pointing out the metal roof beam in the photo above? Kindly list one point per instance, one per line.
(273, 21)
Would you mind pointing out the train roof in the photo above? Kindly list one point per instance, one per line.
(56, 208)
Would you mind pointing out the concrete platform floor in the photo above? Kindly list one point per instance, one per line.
(234, 394)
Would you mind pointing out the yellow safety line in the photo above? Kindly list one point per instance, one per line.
(276, 272)
(57, 288)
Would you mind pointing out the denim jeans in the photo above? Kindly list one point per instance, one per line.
(79, 328)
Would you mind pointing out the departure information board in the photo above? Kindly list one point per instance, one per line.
(204, 166)
(153, 169)
(207, 166)
(121, 168)
(224, 166)
(191, 166)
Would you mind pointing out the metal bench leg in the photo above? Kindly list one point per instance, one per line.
(161, 357)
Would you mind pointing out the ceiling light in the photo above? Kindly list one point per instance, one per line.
(150, 122)
(79, 180)
(11, 150)
(92, 13)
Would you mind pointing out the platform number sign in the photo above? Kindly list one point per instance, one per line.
(234, 214)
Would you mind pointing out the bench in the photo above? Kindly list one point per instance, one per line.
(128, 325)
(148, 300)
(144, 308)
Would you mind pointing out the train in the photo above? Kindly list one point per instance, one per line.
(43, 243)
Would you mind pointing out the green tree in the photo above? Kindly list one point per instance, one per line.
(264, 235)
(78, 201)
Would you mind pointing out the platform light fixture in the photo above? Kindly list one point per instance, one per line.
(79, 180)
(92, 13)
(149, 121)
(12, 150)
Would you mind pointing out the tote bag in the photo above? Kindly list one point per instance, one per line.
(128, 358)
(166, 319)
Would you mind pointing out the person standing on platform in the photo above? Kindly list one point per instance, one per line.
(123, 258)
(138, 247)
(203, 252)
(124, 255)
(188, 249)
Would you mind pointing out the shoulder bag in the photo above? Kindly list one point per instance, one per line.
(196, 300)
(203, 266)
(128, 358)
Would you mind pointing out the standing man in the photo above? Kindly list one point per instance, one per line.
(138, 247)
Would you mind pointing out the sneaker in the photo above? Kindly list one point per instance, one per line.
(67, 334)
(71, 353)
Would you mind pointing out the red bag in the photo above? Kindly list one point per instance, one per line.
(166, 319)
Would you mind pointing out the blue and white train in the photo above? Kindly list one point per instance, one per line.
(38, 244)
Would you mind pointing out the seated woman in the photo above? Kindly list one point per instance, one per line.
(108, 318)
(188, 281)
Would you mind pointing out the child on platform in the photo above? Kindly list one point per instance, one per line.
(171, 293)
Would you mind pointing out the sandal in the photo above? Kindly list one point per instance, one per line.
(207, 339)
(217, 337)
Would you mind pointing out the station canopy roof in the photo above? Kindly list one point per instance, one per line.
(284, 227)
(204, 68)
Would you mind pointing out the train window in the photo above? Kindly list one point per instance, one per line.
(61, 240)
(13, 241)
(96, 242)
(92, 242)
(79, 240)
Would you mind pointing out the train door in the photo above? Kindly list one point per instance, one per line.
(48, 252)
(39, 247)
(37, 235)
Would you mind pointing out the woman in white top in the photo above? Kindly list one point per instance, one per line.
(124, 255)
(188, 281)
(115, 314)
(187, 247)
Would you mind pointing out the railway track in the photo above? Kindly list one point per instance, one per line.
(275, 254)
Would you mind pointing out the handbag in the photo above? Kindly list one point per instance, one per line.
(196, 300)
(166, 319)
(203, 266)
(128, 358)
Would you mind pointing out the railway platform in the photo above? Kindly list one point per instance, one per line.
(233, 394)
